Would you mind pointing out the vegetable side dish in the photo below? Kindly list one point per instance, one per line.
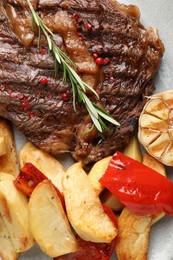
(68, 213)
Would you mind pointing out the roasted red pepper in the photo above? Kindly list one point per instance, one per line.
(138, 187)
(90, 251)
(29, 177)
(110, 214)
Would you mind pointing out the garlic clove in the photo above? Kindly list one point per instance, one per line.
(152, 122)
(158, 147)
(157, 108)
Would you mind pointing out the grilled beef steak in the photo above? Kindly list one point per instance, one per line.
(84, 29)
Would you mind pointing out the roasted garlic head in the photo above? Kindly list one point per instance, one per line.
(156, 127)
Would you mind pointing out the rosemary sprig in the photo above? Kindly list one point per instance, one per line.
(79, 87)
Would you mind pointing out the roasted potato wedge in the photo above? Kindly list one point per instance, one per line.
(14, 211)
(156, 217)
(97, 172)
(48, 221)
(154, 164)
(111, 201)
(8, 160)
(94, 175)
(133, 149)
(133, 235)
(134, 229)
(47, 164)
(7, 251)
(3, 148)
(84, 209)
(159, 167)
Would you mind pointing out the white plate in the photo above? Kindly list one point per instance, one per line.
(158, 14)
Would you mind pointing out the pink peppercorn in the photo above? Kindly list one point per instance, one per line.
(88, 26)
(43, 51)
(95, 55)
(99, 61)
(65, 96)
(106, 61)
(43, 81)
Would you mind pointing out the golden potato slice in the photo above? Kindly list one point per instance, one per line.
(8, 161)
(156, 217)
(7, 251)
(48, 221)
(111, 201)
(47, 164)
(94, 176)
(14, 211)
(154, 164)
(133, 149)
(84, 209)
(97, 172)
(3, 149)
(155, 127)
(133, 235)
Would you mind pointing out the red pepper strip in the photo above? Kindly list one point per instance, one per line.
(29, 177)
(110, 214)
(93, 251)
(90, 251)
(138, 187)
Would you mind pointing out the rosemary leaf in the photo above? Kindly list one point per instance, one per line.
(103, 125)
(91, 89)
(35, 18)
(95, 121)
(50, 45)
(78, 85)
(90, 106)
(80, 95)
(105, 115)
(65, 73)
(57, 57)
(56, 68)
(32, 22)
(77, 78)
(74, 96)
(89, 130)
(64, 56)
(39, 36)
